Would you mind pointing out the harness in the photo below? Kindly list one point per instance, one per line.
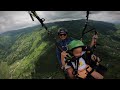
(87, 57)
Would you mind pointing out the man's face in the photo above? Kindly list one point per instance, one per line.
(62, 36)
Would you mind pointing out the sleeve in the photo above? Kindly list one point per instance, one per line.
(71, 38)
(58, 53)
(83, 52)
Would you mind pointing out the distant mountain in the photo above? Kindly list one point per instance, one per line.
(26, 53)
(23, 30)
(76, 24)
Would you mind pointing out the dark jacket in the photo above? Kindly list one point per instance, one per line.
(63, 44)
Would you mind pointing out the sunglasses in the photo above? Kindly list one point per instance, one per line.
(62, 34)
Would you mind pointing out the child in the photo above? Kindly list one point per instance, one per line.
(77, 63)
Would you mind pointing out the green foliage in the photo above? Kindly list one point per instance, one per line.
(4, 70)
(26, 65)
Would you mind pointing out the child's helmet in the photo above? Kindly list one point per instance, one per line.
(74, 44)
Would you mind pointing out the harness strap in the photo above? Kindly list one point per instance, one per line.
(89, 73)
(76, 66)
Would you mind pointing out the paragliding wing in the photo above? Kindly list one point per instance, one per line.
(31, 15)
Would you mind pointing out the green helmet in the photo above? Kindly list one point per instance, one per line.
(75, 43)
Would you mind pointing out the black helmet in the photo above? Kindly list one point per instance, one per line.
(62, 30)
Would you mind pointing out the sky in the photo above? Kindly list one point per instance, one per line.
(13, 20)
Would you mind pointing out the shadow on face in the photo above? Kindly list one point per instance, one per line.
(62, 36)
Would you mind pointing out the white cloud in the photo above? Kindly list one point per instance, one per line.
(10, 20)
(108, 16)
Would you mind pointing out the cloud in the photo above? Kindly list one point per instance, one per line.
(108, 16)
(11, 20)
(53, 15)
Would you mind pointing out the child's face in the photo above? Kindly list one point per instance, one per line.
(77, 52)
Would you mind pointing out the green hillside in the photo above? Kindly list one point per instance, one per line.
(29, 53)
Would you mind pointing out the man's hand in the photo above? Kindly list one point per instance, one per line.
(95, 36)
(94, 40)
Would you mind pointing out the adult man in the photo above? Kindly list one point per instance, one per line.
(63, 42)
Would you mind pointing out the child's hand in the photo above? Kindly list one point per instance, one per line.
(64, 54)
